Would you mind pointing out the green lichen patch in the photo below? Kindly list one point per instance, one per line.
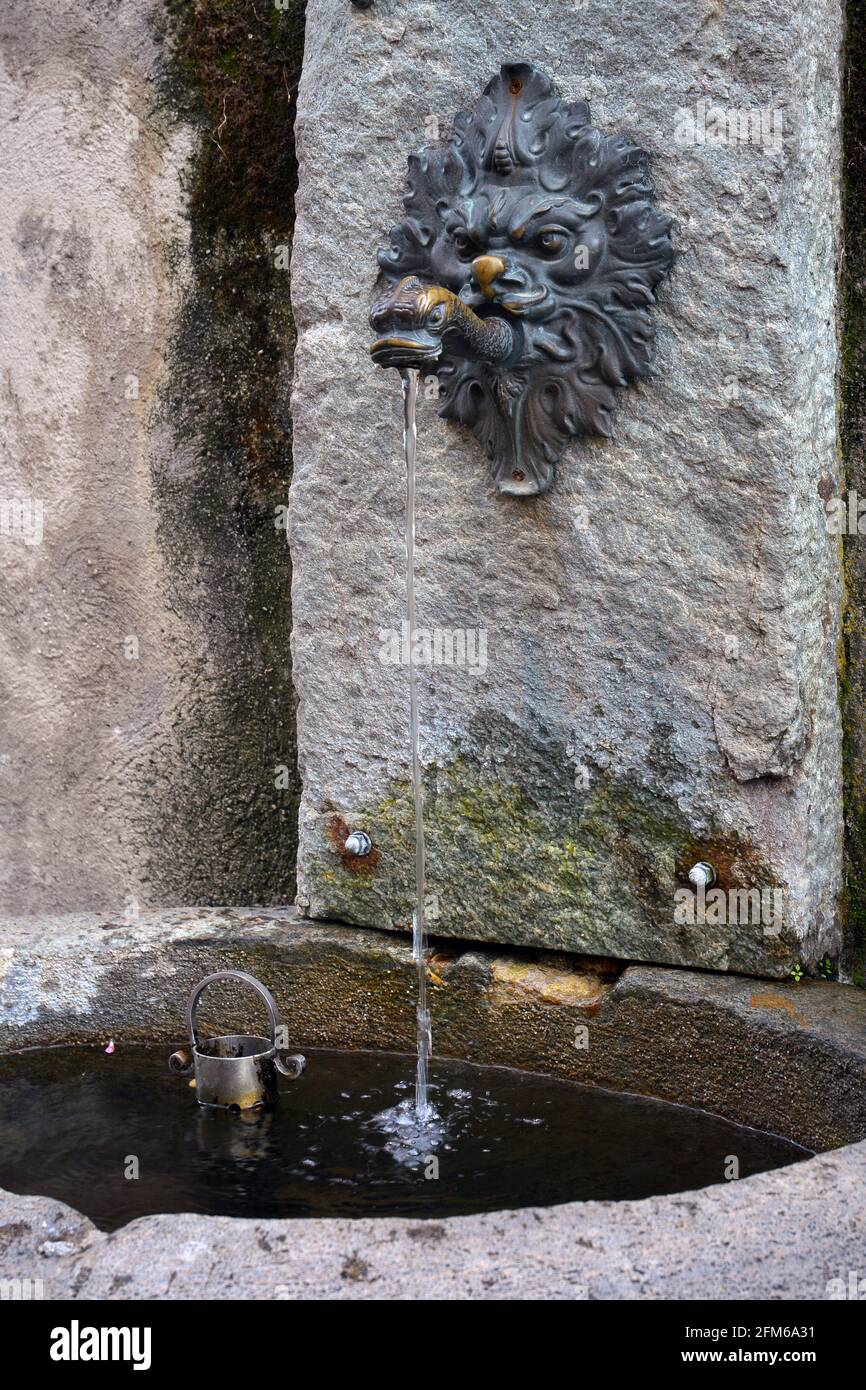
(518, 850)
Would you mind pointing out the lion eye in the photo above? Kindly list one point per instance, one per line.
(437, 316)
(463, 244)
(552, 243)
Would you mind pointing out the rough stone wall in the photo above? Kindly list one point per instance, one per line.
(853, 432)
(662, 628)
(144, 677)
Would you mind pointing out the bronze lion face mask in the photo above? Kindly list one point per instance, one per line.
(524, 274)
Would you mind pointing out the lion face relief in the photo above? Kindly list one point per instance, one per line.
(531, 215)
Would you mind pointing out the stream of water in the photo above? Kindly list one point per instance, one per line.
(409, 380)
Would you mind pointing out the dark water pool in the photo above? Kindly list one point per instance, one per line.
(79, 1125)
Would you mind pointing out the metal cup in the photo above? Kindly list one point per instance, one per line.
(235, 1071)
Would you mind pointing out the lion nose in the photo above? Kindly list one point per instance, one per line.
(485, 270)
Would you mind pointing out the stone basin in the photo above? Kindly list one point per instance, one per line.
(781, 1057)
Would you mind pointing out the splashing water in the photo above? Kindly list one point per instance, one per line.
(409, 380)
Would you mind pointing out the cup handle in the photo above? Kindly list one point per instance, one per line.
(263, 993)
(181, 1063)
(292, 1066)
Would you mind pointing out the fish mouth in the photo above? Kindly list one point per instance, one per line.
(512, 301)
(521, 301)
(406, 349)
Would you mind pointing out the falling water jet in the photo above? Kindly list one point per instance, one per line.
(409, 380)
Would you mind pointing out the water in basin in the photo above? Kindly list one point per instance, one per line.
(344, 1140)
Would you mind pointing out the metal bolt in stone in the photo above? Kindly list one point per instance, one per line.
(702, 875)
(359, 843)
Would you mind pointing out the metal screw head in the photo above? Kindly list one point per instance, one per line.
(358, 843)
(702, 875)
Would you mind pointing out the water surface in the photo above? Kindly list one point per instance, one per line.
(344, 1140)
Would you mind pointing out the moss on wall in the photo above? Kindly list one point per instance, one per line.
(853, 439)
(228, 785)
(519, 850)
